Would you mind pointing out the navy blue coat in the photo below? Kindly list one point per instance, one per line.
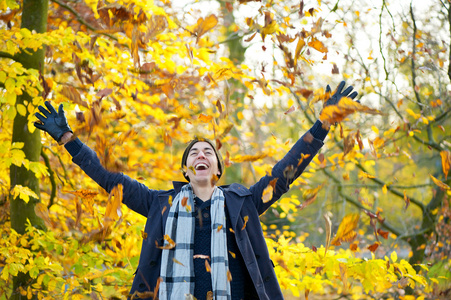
(239, 200)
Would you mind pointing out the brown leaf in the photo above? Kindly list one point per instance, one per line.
(382, 233)
(103, 93)
(73, 95)
(177, 262)
(290, 110)
(214, 179)
(243, 158)
(335, 69)
(328, 232)
(373, 247)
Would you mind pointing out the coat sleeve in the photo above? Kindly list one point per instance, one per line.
(288, 169)
(135, 194)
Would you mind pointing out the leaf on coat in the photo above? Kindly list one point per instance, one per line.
(232, 254)
(303, 156)
(207, 266)
(246, 219)
(184, 201)
(229, 276)
(345, 232)
(177, 262)
(170, 243)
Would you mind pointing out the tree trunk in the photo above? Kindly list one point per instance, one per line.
(34, 17)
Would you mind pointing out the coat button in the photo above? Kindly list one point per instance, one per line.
(142, 285)
(152, 263)
(267, 278)
(206, 215)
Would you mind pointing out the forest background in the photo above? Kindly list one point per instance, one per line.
(370, 217)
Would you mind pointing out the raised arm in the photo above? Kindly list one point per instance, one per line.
(291, 166)
(135, 195)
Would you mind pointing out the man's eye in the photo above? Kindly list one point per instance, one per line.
(193, 153)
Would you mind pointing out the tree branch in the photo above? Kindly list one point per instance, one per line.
(6, 55)
(52, 178)
(414, 41)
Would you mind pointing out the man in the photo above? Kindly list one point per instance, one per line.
(202, 240)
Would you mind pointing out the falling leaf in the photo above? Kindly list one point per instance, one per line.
(291, 109)
(103, 93)
(384, 234)
(170, 200)
(345, 232)
(317, 45)
(309, 196)
(289, 172)
(204, 25)
(303, 156)
(446, 162)
(373, 247)
(328, 231)
(353, 247)
(251, 158)
(406, 200)
(192, 170)
(42, 211)
(144, 235)
(113, 209)
(439, 183)
(268, 191)
(306, 293)
(246, 219)
(219, 228)
(232, 254)
(345, 107)
(164, 209)
(202, 256)
(214, 179)
(73, 95)
(335, 69)
(205, 118)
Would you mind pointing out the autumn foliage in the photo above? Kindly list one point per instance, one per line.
(370, 217)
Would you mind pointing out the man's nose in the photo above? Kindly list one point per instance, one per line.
(201, 154)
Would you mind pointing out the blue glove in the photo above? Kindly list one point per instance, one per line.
(339, 93)
(52, 122)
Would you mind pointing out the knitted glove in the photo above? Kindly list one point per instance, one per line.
(339, 93)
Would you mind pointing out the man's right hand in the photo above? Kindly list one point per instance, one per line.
(52, 122)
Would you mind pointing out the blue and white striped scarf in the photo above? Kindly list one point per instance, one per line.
(177, 266)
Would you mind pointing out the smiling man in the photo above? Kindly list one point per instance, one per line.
(203, 240)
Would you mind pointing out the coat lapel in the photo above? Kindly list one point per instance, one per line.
(234, 199)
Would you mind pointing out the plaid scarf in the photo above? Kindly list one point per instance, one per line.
(177, 266)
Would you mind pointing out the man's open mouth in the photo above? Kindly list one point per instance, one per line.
(201, 166)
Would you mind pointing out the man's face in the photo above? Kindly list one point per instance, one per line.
(202, 163)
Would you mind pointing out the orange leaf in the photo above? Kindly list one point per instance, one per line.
(169, 245)
(219, 228)
(233, 254)
(184, 200)
(204, 25)
(229, 275)
(317, 45)
(446, 162)
(205, 118)
(345, 232)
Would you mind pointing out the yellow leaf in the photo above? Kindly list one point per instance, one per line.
(23, 193)
(374, 128)
(384, 189)
(21, 109)
(345, 232)
(394, 256)
(439, 183)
